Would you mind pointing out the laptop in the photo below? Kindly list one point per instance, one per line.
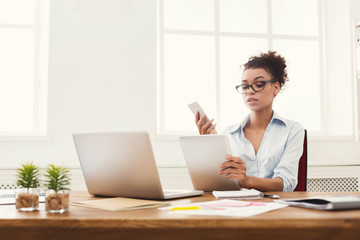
(122, 164)
(203, 155)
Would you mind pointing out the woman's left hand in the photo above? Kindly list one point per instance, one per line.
(234, 167)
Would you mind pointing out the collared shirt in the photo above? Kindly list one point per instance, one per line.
(278, 154)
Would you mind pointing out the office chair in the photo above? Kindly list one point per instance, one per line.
(302, 173)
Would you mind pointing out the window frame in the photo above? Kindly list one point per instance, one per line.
(41, 32)
(322, 135)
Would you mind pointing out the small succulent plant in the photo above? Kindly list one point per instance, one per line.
(57, 178)
(28, 176)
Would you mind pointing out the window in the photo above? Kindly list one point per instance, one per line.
(23, 67)
(203, 44)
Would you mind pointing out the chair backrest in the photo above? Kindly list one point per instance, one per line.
(302, 173)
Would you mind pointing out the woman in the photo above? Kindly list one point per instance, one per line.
(266, 148)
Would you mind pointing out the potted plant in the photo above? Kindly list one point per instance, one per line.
(57, 194)
(28, 179)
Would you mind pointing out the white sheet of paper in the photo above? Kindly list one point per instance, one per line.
(227, 207)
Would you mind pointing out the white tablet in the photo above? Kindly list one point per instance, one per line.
(203, 155)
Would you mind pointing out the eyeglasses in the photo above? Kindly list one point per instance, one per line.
(256, 86)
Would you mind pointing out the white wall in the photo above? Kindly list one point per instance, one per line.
(102, 77)
(355, 16)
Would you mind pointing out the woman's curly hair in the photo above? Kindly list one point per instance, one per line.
(273, 63)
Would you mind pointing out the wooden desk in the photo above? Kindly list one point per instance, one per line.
(86, 223)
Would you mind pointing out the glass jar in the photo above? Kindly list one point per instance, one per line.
(57, 202)
(27, 199)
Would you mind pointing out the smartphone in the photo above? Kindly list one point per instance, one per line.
(195, 107)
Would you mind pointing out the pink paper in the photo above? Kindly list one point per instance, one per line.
(257, 204)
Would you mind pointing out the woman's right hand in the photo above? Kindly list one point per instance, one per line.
(204, 128)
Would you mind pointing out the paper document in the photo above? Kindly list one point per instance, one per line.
(7, 197)
(119, 204)
(238, 194)
(225, 207)
(325, 202)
